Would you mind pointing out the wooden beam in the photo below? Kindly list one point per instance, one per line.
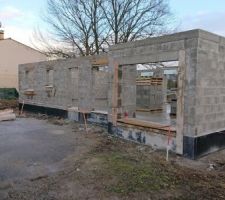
(100, 61)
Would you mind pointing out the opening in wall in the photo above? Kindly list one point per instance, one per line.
(73, 85)
(100, 87)
(50, 78)
(49, 88)
(148, 93)
(29, 78)
(103, 68)
(29, 90)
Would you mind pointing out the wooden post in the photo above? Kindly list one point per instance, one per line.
(21, 111)
(85, 123)
(83, 112)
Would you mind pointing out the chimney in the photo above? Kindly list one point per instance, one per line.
(1, 35)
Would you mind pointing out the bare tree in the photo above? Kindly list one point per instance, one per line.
(135, 19)
(76, 23)
(89, 26)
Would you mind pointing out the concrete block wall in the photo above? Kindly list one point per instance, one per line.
(143, 96)
(74, 84)
(210, 84)
(101, 85)
(182, 47)
(128, 89)
(204, 130)
(201, 85)
(86, 92)
(150, 97)
(37, 80)
(165, 48)
(200, 126)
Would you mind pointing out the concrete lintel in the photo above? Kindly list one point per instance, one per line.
(156, 40)
(150, 58)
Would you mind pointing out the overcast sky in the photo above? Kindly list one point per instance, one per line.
(20, 17)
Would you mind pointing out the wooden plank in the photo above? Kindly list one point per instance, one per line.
(6, 111)
(149, 81)
(149, 109)
(6, 115)
(145, 124)
(100, 61)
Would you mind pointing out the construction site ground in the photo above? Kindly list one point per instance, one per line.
(45, 158)
(4, 104)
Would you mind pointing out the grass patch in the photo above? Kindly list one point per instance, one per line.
(130, 174)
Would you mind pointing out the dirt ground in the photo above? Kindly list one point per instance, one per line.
(8, 104)
(105, 167)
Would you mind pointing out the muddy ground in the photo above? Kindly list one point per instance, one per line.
(103, 167)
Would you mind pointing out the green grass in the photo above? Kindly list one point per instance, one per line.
(132, 175)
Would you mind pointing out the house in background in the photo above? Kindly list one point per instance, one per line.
(13, 53)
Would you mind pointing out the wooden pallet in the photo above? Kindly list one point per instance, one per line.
(148, 78)
(149, 81)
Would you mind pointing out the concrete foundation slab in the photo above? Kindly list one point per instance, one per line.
(31, 148)
(162, 116)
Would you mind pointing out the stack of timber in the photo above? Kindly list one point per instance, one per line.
(149, 94)
(149, 81)
(6, 115)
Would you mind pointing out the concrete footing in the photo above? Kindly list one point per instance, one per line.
(143, 136)
(155, 139)
(45, 110)
(196, 147)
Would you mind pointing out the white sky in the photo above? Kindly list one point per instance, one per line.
(21, 17)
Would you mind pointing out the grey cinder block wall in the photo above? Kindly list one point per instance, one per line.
(61, 84)
(200, 106)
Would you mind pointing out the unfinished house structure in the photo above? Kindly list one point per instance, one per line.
(13, 53)
(168, 90)
(60, 86)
